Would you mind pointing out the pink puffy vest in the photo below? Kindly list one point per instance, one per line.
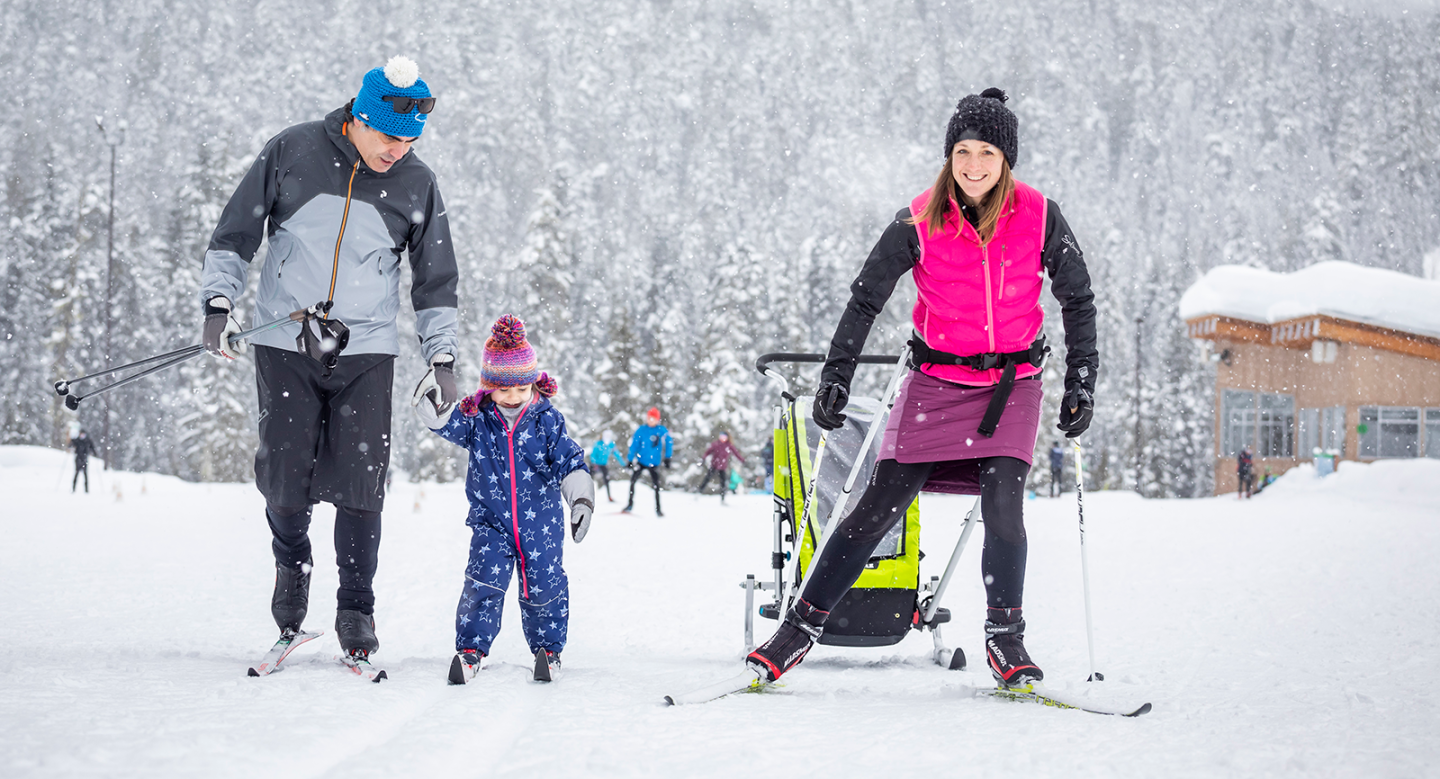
(978, 299)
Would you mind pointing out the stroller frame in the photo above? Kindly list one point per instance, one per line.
(790, 532)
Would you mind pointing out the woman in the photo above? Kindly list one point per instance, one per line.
(966, 418)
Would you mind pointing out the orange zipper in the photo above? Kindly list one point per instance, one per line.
(344, 217)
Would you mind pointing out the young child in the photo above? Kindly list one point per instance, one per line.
(522, 465)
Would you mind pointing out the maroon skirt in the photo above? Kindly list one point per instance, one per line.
(937, 421)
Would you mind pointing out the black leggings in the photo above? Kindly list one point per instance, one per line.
(357, 549)
(892, 488)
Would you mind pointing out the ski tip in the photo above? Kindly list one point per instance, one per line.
(380, 677)
(252, 672)
(669, 701)
(1144, 709)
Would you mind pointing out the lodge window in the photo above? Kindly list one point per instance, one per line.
(1432, 433)
(1261, 420)
(1390, 431)
(1323, 430)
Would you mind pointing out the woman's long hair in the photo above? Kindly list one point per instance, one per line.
(946, 188)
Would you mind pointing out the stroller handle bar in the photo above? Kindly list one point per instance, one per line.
(762, 363)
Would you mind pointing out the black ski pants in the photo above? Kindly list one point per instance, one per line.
(722, 476)
(357, 549)
(82, 467)
(893, 486)
(1056, 486)
(654, 481)
(604, 471)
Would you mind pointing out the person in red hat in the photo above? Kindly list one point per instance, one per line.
(649, 447)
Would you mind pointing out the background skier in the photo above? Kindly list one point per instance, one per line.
(83, 447)
(340, 201)
(977, 243)
(601, 454)
(522, 464)
(649, 447)
(1057, 470)
(1245, 472)
(717, 460)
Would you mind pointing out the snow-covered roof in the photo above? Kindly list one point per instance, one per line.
(1372, 296)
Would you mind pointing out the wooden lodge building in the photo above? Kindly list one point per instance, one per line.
(1335, 358)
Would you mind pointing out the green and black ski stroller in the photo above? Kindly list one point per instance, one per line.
(813, 471)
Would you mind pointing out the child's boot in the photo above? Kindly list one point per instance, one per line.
(465, 665)
(547, 665)
(1005, 649)
(799, 631)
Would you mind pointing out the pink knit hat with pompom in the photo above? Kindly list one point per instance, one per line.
(509, 359)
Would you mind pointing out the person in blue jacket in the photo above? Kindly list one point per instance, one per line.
(650, 446)
(524, 470)
(601, 454)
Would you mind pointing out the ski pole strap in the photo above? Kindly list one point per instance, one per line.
(921, 353)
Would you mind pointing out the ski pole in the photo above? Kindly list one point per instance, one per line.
(1095, 676)
(72, 402)
(824, 534)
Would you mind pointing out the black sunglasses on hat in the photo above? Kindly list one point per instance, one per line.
(404, 105)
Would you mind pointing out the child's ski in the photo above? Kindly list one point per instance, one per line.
(465, 666)
(752, 680)
(1038, 694)
(359, 664)
(547, 666)
(270, 663)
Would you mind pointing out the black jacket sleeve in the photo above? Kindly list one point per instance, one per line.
(1070, 282)
(893, 256)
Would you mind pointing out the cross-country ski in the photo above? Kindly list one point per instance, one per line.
(288, 643)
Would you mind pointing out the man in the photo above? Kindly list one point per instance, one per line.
(1057, 469)
(649, 446)
(83, 447)
(717, 456)
(340, 200)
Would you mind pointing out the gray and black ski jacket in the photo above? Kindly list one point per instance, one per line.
(310, 183)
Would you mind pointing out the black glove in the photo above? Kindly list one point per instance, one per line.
(829, 401)
(438, 392)
(1076, 409)
(667, 464)
(220, 324)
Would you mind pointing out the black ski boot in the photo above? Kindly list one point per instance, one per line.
(292, 596)
(799, 631)
(356, 631)
(1005, 649)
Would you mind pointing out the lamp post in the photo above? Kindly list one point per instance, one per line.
(113, 140)
(1138, 452)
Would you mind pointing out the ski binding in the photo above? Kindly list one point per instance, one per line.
(358, 663)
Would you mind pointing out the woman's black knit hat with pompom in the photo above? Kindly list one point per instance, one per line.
(984, 117)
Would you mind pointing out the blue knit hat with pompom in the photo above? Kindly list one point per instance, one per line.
(400, 76)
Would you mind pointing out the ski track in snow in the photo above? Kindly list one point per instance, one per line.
(1291, 635)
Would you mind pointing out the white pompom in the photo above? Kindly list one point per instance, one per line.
(402, 72)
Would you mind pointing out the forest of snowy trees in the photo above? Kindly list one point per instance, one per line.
(665, 189)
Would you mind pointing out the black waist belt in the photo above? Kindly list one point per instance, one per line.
(921, 353)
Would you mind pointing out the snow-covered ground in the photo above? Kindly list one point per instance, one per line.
(1294, 634)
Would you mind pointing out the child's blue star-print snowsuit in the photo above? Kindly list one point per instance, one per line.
(518, 521)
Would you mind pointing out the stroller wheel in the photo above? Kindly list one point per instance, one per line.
(957, 660)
